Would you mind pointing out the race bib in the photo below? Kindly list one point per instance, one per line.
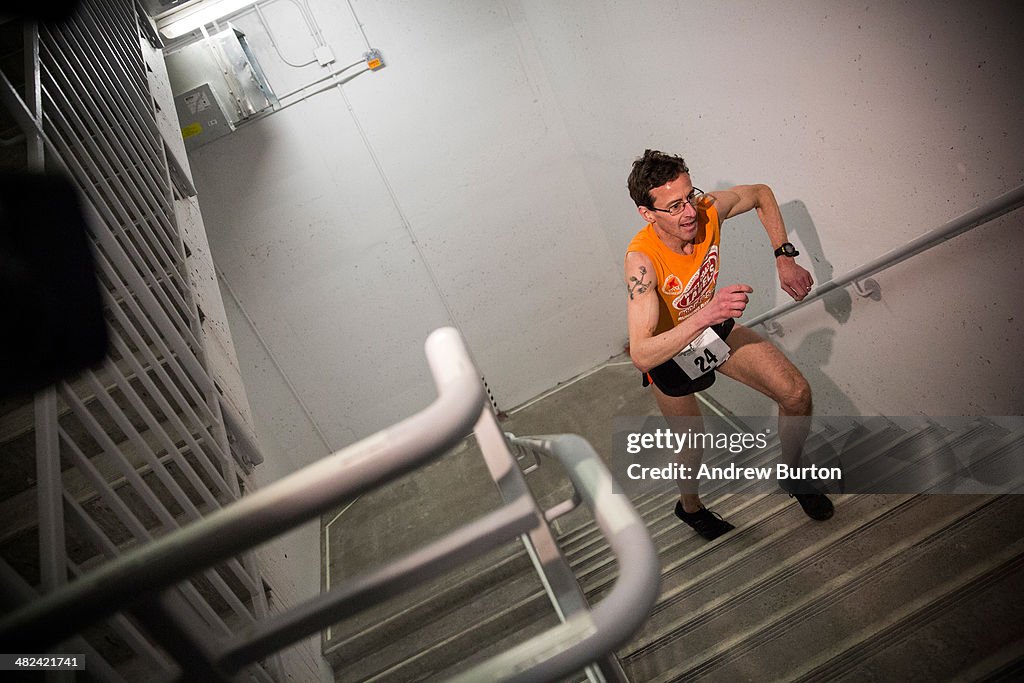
(703, 354)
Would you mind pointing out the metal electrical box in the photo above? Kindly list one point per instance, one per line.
(217, 83)
(200, 116)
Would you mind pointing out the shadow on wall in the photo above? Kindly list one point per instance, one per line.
(798, 221)
(747, 258)
(811, 356)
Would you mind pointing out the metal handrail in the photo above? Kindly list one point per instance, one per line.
(464, 543)
(265, 514)
(521, 449)
(990, 210)
(575, 643)
(140, 581)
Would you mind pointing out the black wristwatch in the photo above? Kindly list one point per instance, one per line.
(787, 249)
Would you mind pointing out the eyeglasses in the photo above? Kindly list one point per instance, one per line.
(697, 199)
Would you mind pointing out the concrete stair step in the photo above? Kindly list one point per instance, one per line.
(20, 453)
(1005, 666)
(431, 621)
(532, 610)
(91, 535)
(999, 467)
(733, 590)
(21, 552)
(367, 632)
(927, 640)
(676, 542)
(652, 506)
(20, 546)
(475, 656)
(409, 636)
(774, 625)
(754, 563)
(588, 534)
(592, 562)
(542, 619)
(487, 635)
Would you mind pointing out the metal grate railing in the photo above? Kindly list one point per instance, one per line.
(584, 637)
(136, 448)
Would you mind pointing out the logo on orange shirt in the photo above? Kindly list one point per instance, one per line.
(701, 286)
(672, 285)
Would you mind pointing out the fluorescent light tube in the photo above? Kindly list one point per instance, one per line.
(207, 13)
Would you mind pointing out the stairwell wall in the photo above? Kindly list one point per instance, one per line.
(478, 180)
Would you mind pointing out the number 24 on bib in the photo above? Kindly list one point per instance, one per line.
(703, 354)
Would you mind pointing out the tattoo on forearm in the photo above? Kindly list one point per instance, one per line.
(637, 285)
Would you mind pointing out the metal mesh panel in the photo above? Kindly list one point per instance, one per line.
(136, 448)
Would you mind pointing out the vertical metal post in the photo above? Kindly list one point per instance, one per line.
(48, 479)
(52, 565)
(49, 484)
(33, 94)
(559, 582)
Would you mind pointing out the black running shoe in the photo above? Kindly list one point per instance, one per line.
(708, 524)
(815, 505)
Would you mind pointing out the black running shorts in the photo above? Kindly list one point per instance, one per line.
(671, 379)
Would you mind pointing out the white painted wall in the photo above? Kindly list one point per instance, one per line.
(479, 179)
(349, 235)
(873, 123)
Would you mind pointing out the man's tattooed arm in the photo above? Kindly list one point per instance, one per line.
(637, 285)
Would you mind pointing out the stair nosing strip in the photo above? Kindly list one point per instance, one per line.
(765, 582)
(826, 545)
(348, 641)
(820, 600)
(523, 605)
(922, 610)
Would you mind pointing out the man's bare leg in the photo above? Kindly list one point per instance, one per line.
(756, 362)
(684, 406)
(690, 509)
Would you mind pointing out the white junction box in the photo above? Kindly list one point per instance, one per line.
(323, 55)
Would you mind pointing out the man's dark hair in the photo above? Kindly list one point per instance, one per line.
(652, 170)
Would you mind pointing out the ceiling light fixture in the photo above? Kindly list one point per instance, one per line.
(206, 13)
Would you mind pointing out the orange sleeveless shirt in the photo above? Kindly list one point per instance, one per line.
(685, 283)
